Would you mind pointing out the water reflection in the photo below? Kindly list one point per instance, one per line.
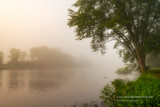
(0, 79)
(15, 80)
(36, 85)
(52, 88)
(32, 80)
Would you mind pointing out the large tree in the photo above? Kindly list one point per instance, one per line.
(133, 24)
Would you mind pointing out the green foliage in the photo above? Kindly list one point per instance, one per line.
(133, 24)
(108, 95)
(121, 70)
(153, 60)
(118, 83)
(146, 90)
(124, 70)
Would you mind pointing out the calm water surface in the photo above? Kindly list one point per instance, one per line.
(53, 88)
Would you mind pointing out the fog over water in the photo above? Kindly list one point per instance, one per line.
(53, 88)
(32, 23)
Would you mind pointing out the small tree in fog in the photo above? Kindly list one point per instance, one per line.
(17, 56)
(23, 56)
(14, 56)
(1, 57)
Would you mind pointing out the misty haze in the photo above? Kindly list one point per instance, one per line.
(45, 63)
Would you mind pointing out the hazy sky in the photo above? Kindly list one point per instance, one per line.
(28, 23)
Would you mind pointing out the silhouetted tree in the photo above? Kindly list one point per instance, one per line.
(17, 56)
(1, 57)
(44, 56)
(23, 56)
(14, 56)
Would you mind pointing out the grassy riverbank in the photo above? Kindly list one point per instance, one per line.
(143, 92)
(123, 70)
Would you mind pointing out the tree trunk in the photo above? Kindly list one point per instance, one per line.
(140, 56)
(141, 62)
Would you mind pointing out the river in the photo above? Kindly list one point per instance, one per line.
(53, 87)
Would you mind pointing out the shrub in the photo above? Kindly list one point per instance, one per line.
(145, 91)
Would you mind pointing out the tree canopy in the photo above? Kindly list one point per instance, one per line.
(16, 56)
(133, 24)
(50, 57)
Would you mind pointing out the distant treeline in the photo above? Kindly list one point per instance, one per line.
(41, 57)
(153, 60)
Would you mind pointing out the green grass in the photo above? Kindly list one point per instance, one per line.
(147, 85)
(155, 68)
(154, 71)
(123, 70)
